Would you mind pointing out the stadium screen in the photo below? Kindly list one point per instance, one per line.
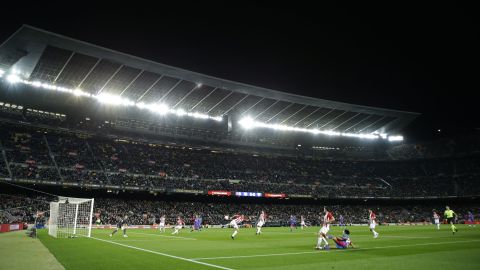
(248, 194)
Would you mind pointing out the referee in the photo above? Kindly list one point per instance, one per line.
(449, 215)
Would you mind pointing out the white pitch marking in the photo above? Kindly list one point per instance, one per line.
(343, 250)
(163, 254)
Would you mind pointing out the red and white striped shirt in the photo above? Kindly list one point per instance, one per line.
(372, 217)
(328, 217)
(239, 218)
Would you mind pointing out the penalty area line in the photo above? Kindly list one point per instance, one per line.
(163, 254)
(334, 250)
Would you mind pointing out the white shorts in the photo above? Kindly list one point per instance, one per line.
(162, 225)
(123, 228)
(372, 225)
(234, 224)
(260, 223)
(437, 221)
(178, 227)
(302, 223)
(325, 229)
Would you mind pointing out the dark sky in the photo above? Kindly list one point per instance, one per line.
(421, 58)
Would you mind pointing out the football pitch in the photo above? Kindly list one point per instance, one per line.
(397, 247)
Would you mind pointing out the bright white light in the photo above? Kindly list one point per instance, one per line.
(36, 84)
(181, 112)
(198, 115)
(199, 85)
(141, 105)
(395, 138)
(160, 108)
(216, 118)
(77, 92)
(13, 78)
(114, 100)
(249, 123)
(105, 98)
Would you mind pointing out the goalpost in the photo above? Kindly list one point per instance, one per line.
(71, 217)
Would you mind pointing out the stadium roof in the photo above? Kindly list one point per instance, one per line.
(55, 59)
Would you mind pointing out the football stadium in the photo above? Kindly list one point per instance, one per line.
(113, 161)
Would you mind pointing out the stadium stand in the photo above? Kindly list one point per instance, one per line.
(85, 118)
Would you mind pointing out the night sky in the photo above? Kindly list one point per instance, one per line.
(415, 58)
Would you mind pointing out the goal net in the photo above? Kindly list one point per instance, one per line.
(70, 217)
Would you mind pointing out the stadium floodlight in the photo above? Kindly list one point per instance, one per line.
(159, 108)
(71, 217)
(397, 138)
(36, 84)
(13, 78)
(216, 118)
(198, 115)
(180, 112)
(110, 99)
(114, 100)
(249, 123)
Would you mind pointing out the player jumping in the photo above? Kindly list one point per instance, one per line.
(322, 234)
(180, 224)
(121, 225)
(372, 222)
(261, 222)
(449, 215)
(436, 219)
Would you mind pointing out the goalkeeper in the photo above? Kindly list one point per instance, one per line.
(122, 225)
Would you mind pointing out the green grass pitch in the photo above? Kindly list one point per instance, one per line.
(397, 247)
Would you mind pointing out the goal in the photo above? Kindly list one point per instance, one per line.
(71, 217)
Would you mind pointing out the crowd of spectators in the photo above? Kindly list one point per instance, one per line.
(23, 208)
(84, 159)
(102, 161)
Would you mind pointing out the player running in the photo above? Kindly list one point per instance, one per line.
(292, 222)
(372, 221)
(322, 234)
(261, 222)
(436, 219)
(161, 225)
(237, 219)
(302, 222)
(449, 215)
(121, 225)
(180, 224)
